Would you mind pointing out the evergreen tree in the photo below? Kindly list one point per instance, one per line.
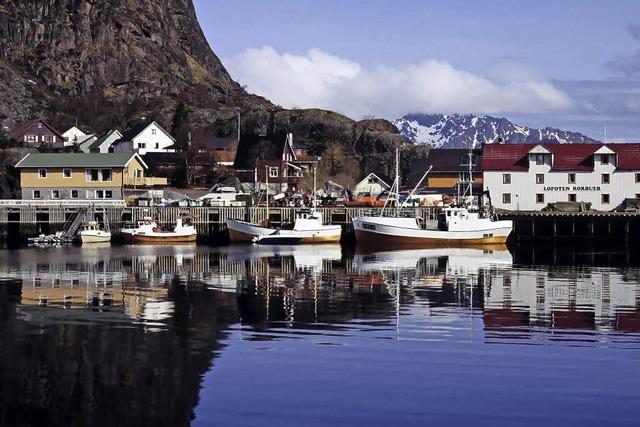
(180, 126)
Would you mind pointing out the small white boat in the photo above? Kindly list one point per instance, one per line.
(308, 226)
(147, 224)
(183, 232)
(92, 233)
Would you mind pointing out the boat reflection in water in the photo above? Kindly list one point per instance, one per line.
(145, 325)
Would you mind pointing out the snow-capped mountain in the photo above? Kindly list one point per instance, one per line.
(460, 130)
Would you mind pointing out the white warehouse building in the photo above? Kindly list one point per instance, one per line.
(529, 176)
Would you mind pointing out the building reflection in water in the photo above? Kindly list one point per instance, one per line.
(86, 330)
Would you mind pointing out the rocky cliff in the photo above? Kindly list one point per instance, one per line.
(109, 62)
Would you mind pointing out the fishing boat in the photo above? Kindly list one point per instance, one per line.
(462, 225)
(308, 226)
(92, 232)
(147, 224)
(151, 232)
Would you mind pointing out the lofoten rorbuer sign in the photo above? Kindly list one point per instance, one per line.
(573, 188)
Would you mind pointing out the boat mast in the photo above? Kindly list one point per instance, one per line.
(313, 203)
(266, 171)
(396, 185)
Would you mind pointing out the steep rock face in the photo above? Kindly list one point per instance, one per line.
(462, 130)
(108, 62)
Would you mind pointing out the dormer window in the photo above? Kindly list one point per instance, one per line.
(604, 159)
(539, 159)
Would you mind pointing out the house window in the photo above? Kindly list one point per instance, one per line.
(157, 145)
(539, 198)
(106, 174)
(605, 159)
(30, 138)
(572, 178)
(539, 159)
(372, 180)
(108, 194)
(605, 199)
(273, 172)
(47, 138)
(506, 178)
(638, 177)
(137, 173)
(36, 194)
(506, 198)
(142, 145)
(55, 194)
(66, 173)
(74, 194)
(606, 178)
(42, 173)
(539, 178)
(99, 194)
(153, 131)
(93, 175)
(572, 198)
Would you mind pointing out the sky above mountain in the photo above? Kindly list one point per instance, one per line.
(571, 64)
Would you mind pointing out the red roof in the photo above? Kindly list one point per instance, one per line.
(567, 157)
(23, 128)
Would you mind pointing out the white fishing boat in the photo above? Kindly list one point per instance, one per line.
(92, 232)
(147, 224)
(461, 225)
(150, 232)
(308, 226)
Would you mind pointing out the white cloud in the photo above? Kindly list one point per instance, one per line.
(320, 79)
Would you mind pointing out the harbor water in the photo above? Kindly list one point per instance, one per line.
(249, 335)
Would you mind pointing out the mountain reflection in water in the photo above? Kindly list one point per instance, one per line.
(148, 335)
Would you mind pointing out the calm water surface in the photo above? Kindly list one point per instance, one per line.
(315, 335)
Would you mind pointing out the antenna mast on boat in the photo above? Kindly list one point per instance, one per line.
(396, 185)
(314, 203)
(266, 171)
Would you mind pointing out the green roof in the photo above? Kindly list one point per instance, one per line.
(74, 160)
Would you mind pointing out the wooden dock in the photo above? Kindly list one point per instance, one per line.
(24, 220)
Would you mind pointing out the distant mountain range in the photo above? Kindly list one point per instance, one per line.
(460, 130)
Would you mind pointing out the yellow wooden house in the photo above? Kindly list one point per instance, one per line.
(85, 176)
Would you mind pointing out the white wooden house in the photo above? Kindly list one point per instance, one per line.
(104, 144)
(146, 138)
(371, 184)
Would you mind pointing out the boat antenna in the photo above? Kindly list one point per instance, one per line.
(395, 185)
(266, 171)
(314, 202)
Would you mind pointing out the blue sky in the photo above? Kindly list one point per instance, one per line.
(570, 64)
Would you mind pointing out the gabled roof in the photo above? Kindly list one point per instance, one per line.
(383, 179)
(139, 128)
(253, 148)
(77, 160)
(98, 142)
(566, 157)
(73, 131)
(21, 129)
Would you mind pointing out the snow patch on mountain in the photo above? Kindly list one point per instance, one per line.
(462, 130)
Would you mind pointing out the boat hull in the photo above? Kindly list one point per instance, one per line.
(241, 231)
(373, 233)
(159, 238)
(145, 238)
(95, 237)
